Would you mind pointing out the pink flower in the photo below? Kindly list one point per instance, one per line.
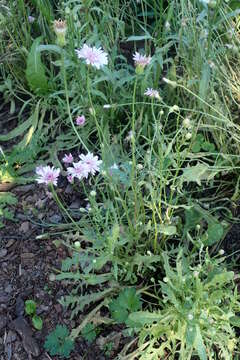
(67, 159)
(70, 178)
(141, 60)
(152, 93)
(47, 175)
(80, 120)
(91, 162)
(93, 56)
(79, 170)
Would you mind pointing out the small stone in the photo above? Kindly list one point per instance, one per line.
(10, 243)
(25, 227)
(9, 288)
(3, 252)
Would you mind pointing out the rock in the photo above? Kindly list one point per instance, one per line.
(3, 322)
(10, 243)
(3, 252)
(9, 288)
(24, 227)
(21, 326)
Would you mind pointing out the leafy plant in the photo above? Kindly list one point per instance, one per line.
(59, 343)
(128, 301)
(89, 332)
(35, 71)
(6, 199)
(198, 307)
(30, 309)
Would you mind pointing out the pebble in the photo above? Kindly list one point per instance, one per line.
(10, 243)
(24, 227)
(3, 252)
(9, 288)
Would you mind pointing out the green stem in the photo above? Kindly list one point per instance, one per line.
(68, 105)
(61, 206)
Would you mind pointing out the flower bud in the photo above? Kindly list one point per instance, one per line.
(60, 28)
(77, 245)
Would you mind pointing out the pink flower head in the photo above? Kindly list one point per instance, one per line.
(93, 56)
(152, 93)
(91, 162)
(67, 159)
(47, 175)
(79, 170)
(70, 179)
(141, 60)
(80, 120)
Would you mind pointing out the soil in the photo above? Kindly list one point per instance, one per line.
(25, 265)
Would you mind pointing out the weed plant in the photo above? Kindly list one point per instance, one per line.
(147, 94)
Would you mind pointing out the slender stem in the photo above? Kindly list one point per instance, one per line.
(68, 105)
(61, 206)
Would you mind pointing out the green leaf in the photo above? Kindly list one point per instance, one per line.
(58, 342)
(220, 279)
(191, 335)
(204, 82)
(215, 234)
(200, 345)
(8, 198)
(30, 307)
(37, 322)
(145, 317)
(127, 301)
(139, 37)
(119, 314)
(235, 321)
(167, 229)
(35, 72)
(89, 333)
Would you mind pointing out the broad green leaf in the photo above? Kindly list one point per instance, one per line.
(145, 317)
(215, 234)
(89, 333)
(30, 307)
(200, 347)
(35, 72)
(37, 322)
(221, 279)
(139, 37)
(197, 173)
(191, 335)
(167, 229)
(235, 321)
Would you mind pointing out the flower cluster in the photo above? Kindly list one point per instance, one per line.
(88, 164)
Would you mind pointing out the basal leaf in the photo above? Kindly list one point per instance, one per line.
(35, 72)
